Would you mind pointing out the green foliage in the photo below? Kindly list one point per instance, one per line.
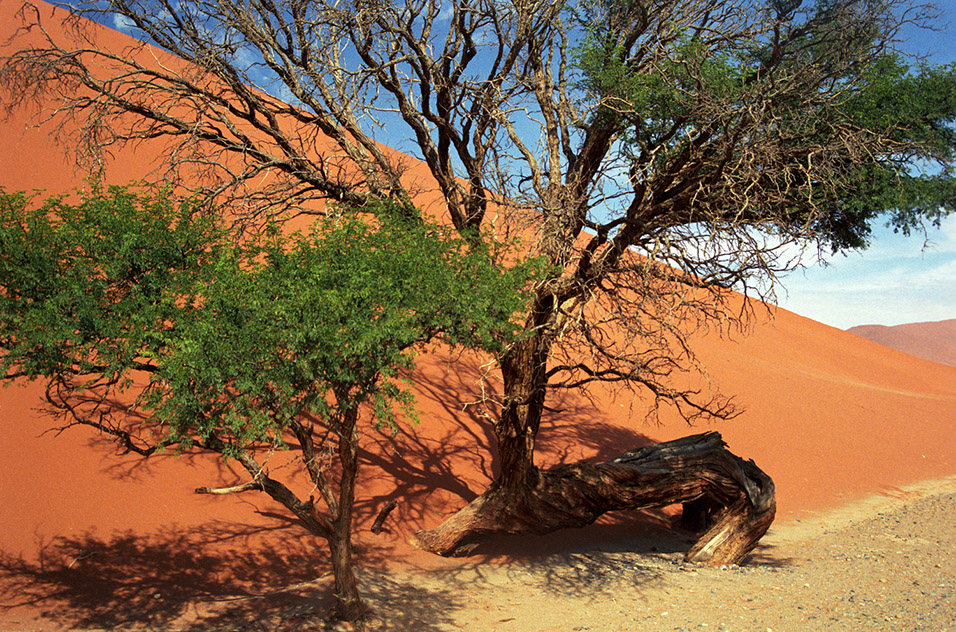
(809, 121)
(911, 107)
(237, 341)
(654, 97)
(907, 172)
(97, 286)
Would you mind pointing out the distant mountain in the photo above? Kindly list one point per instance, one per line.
(931, 341)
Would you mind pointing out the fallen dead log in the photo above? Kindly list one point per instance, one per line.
(732, 499)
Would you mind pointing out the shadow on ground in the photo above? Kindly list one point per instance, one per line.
(244, 577)
(623, 546)
(219, 577)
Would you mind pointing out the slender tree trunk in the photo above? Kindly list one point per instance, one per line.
(348, 603)
(335, 528)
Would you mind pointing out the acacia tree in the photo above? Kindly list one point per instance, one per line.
(146, 322)
(661, 152)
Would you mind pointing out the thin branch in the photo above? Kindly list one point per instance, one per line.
(235, 489)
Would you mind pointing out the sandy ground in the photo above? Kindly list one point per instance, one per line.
(882, 564)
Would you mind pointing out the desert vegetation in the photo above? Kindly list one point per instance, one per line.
(147, 323)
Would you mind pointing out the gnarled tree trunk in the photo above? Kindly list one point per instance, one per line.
(734, 498)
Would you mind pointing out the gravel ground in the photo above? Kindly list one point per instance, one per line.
(893, 571)
(887, 566)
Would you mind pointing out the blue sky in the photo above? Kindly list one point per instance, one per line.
(897, 279)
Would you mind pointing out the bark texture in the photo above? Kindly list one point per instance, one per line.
(731, 498)
(349, 605)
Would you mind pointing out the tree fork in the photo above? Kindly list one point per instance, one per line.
(732, 497)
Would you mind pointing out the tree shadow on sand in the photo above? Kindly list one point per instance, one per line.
(453, 450)
(225, 576)
(637, 548)
(217, 577)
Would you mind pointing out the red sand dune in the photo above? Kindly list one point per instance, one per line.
(830, 417)
(934, 341)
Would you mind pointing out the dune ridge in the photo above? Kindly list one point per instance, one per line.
(935, 341)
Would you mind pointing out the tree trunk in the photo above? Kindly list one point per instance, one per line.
(733, 498)
(522, 371)
(348, 604)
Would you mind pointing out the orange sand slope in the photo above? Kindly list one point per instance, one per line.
(934, 341)
(831, 417)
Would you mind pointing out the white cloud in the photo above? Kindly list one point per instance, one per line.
(123, 24)
(945, 238)
(897, 280)
(446, 12)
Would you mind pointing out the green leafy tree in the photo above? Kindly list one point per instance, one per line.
(658, 152)
(149, 324)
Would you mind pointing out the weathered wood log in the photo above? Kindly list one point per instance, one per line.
(730, 497)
